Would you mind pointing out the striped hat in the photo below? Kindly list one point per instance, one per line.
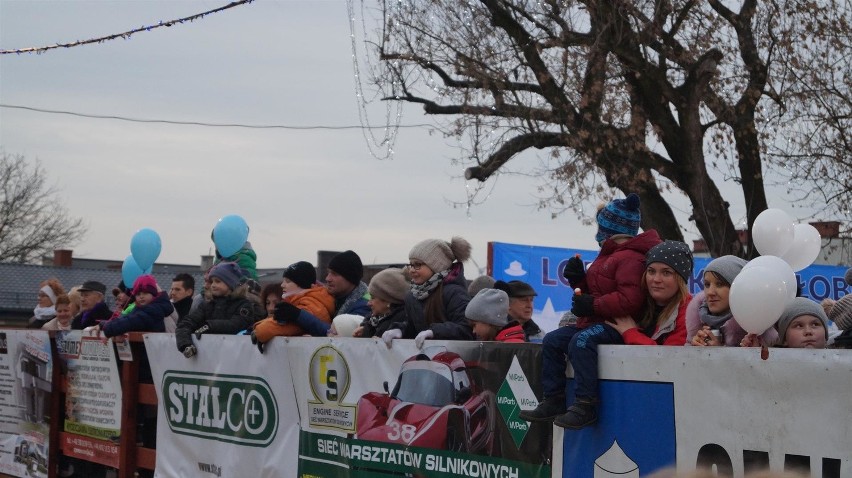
(620, 216)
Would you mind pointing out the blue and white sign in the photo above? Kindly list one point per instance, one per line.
(542, 267)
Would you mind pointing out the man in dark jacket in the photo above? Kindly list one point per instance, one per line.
(93, 309)
(183, 288)
(521, 297)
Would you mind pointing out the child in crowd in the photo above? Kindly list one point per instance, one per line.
(709, 320)
(45, 309)
(270, 296)
(230, 310)
(152, 307)
(301, 292)
(344, 325)
(839, 312)
(488, 313)
(63, 318)
(123, 300)
(669, 267)
(436, 302)
(802, 325)
(611, 288)
(387, 291)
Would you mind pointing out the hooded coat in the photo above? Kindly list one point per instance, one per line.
(316, 301)
(148, 318)
(615, 276)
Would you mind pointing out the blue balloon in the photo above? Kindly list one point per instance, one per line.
(229, 235)
(130, 271)
(145, 247)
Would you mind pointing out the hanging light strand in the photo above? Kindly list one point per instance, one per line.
(126, 35)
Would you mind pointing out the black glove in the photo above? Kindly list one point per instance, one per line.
(201, 330)
(583, 305)
(189, 351)
(574, 271)
(256, 342)
(285, 312)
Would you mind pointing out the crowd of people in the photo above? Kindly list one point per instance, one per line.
(635, 292)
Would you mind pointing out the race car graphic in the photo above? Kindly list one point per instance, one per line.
(433, 405)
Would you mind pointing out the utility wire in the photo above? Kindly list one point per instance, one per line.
(200, 123)
(126, 35)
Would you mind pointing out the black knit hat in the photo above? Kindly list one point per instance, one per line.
(674, 254)
(348, 265)
(516, 288)
(302, 273)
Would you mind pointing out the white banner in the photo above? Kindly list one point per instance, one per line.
(26, 372)
(723, 408)
(227, 412)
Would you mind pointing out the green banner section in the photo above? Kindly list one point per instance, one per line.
(331, 457)
(90, 430)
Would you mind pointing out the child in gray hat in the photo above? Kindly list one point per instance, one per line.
(802, 325)
(488, 314)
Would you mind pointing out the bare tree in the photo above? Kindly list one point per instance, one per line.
(816, 153)
(33, 221)
(643, 96)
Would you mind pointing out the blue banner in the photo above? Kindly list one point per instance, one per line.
(542, 267)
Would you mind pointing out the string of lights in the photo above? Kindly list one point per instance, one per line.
(201, 123)
(126, 35)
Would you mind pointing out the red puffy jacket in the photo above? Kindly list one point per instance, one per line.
(614, 278)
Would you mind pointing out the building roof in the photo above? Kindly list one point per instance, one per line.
(19, 282)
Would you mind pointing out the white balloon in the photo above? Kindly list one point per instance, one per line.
(779, 268)
(772, 232)
(805, 249)
(757, 299)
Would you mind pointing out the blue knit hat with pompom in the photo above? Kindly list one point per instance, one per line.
(620, 216)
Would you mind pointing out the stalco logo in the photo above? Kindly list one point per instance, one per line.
(230, 408)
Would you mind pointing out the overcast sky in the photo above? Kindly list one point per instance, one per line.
(269, 62)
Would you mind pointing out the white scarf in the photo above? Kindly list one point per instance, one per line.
(44, 313)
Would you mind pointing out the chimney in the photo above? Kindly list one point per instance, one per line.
(62, 257)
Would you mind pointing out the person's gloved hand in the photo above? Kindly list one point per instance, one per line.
(201, 330)
(390, 335)
(583, 305)
(574, 271)
(92, 331)
(421, 337)
(256, 342)
(189, 351)
(285, 312)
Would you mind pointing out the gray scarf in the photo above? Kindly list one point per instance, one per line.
(423, 290)
(714, 321)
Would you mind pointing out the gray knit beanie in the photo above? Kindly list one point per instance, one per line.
(490, 306)
(439, 255)
(481, 282)
(390, 285)
(674, 254)
(840, 312)
(729, 267)
(796, 308)
(227, 272)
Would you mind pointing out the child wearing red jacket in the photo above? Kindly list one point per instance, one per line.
(488, 314)
(611, 288)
